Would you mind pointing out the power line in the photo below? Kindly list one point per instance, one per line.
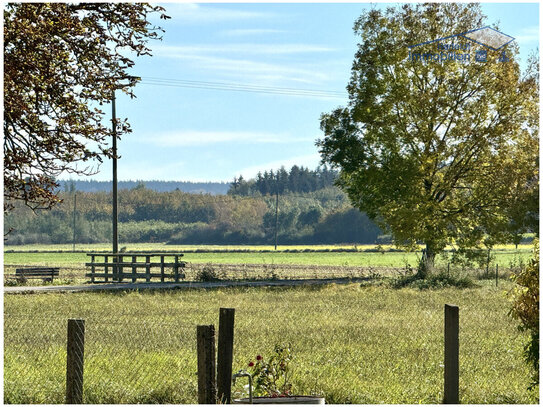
(244, 85)
(274, 92)
(238, 87)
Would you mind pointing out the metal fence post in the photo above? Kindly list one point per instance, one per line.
(207, 387)
(225, 354)
(451, 361)
(74, 361)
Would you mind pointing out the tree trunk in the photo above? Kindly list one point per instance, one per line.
(426, 264)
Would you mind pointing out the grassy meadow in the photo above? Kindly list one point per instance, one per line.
(351, 344)
(367, 255)
(259, 262)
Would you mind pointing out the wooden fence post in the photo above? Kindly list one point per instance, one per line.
(207, 386)
(106, 268)
(115, 271)
(74, 361)
(134, 269)
(496, 275)
(161, 269)
(120, 268)
(225, 355)
(176, 269)
(148, 268)
(451, 361)
(93, 269)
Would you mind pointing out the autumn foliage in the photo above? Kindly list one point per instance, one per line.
(61, 63)
(526, 308)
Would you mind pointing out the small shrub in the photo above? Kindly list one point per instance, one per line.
(433, 281)
(207, 274)
(10, 282)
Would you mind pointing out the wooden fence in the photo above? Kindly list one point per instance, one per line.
(118, 267)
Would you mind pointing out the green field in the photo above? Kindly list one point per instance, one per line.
(393, 259)
(261, 262)
(351, 344)
(504, 256)
(167, 247)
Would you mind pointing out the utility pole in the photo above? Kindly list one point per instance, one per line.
(115, 217)
(75, 206)
(276, 208)
(133, 80)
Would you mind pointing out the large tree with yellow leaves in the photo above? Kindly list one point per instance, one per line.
(440, 153)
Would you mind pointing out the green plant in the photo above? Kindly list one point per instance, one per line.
(526, 309)
(207, 274)
(10, 282)
(271, 375)
(434, 281)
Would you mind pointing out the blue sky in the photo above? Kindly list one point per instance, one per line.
(200, 134)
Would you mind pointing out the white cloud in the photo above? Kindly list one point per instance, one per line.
(251, 32)
(196, 13)
(178, 51)
(246, 70)
(528, 35)
(184, 138)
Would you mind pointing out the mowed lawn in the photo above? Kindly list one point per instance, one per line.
(351, 344)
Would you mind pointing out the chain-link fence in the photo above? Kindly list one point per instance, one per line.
(351, 344)
(127, 359)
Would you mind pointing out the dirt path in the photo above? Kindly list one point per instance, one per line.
(177, 286)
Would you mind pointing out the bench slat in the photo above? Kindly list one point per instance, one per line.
(45, 273)
(50, 271)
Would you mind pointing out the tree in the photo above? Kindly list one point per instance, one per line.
(61, 62)
(525, 308)
(436, 152)
(282, 179)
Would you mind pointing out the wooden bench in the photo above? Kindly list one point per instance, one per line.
(45, 273)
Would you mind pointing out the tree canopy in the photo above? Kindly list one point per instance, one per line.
(438, 152)
(61, 62)
(525, 309)
(297, 180)
(320, 217)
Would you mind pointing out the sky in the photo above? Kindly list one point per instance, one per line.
(233, 89)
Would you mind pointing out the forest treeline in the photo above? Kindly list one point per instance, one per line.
(214, 188)
(320, 216)
(297, 180)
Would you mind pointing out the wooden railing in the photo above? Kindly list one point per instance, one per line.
(119, 267)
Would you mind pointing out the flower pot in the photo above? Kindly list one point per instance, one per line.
(283, 400)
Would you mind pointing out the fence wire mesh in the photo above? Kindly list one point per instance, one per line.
(352, 344)
(127, 359)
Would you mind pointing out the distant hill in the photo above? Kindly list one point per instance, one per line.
(213, 188)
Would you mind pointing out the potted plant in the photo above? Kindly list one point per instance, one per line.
(269, 380)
